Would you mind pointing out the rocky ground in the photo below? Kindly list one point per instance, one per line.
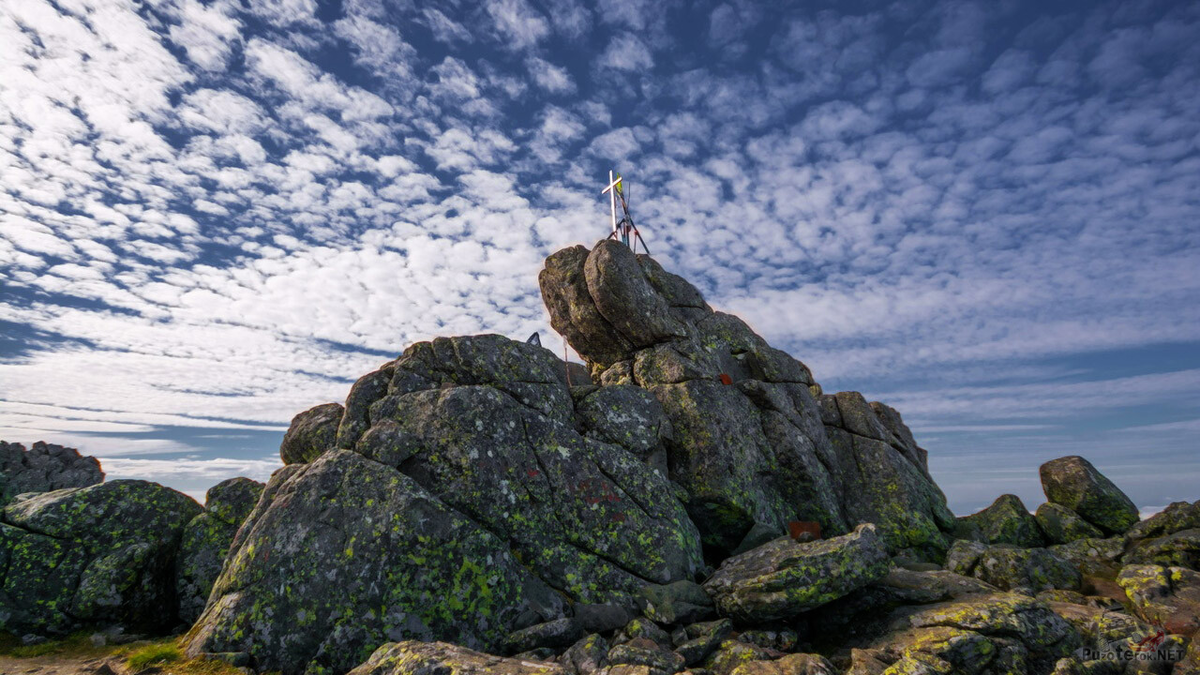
(691, 501)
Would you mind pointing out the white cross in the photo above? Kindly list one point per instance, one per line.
(612, 194)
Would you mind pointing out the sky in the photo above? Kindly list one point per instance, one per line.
(215, 215)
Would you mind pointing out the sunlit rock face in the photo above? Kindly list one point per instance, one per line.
(754, 439)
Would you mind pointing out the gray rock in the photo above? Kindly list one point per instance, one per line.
(1177, 516)
(357, 554)
(624, 415)
(963, 555)
(206, 540)
(1026, 569)
(44, 467)
(702, 639)
(1164, 596)
(412, 657)
(1074, 483)
(1062, 525)
(586, 656)
(102, 554)
(679, 602)
(1006, 521)
(556, 634)
(311, 433)
(784, 578)
(1178, 549)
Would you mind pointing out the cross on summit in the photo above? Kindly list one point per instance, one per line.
(623, 229)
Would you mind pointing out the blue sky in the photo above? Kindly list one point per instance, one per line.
(216, 215)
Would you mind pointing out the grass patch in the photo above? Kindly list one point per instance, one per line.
(153, 654)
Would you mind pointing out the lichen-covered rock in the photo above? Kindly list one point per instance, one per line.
(1006, 521)
(344, 554)
(963, 556)
(1061, 525)
(99, 554)
(412, 657)
(883, 477)
(1177, 516)
(643, 652)
(1180, 549)
(627, 416)
(784, 578)
(1028, 570)
(1074, 483)
(1094, 557)
(1164, 596)
(311, 433)
(731, 654)
(555, 634)
(1040, 632)
(792, 664)
(206, 540)
(586, 656)
(680, 602)
(701, 639)
(42, 468)
(749, 444)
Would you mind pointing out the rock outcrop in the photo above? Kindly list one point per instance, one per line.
(754, 442)
(784, 578)
(206, 541)
(96, 555)
(42, 468)
(1074, 483)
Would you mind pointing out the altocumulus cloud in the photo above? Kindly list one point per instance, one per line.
(215, 215)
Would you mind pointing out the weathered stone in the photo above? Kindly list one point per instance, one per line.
(44, 467)
(368, 389)
(355, 554)
(555, 634)
(1180, 549)
(792, 664)
(784, 578)
(627, 416)
(206, 540)
(601, 617)
(783, 640)
(1061, 525)
(680, 602)
(625, 298)
(642, 652)
(102, 554)
(1006, 521)
(1093, 557)
(1177, 516)
(586, 656)
(643, 628)
(702, 639)
(1005, 615)
(732, 653)
(1028, 570)
(963, 556)
(1074, 483)
(311, 433)
(1164, 596)
(412, 657)
(573, 313)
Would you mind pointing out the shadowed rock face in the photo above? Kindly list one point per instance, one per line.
(102, 554)
(754, 442)
(206, 540)
(42, 468)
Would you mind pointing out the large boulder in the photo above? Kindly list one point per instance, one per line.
(42, 468)
(1025, 569)
(1062, 525)
(206, 541)
(88, 556)
(1164, 596)
(751, 445)
(412, 657)
(311, 433)
(344, 554)
(1006, 521)
(784, 578)
(1074, 483)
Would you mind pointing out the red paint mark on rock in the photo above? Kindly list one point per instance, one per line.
(532, 473)
(804, 530)
(725, 379)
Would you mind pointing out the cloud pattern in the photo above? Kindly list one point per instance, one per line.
(214, 215)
